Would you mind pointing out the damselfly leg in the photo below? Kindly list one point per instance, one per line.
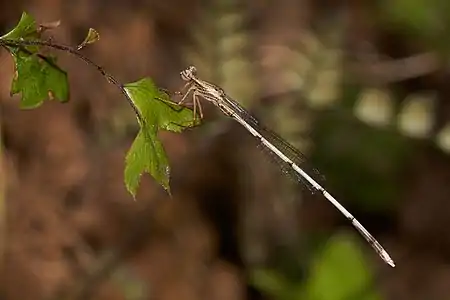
(185, 91)
(197, 103)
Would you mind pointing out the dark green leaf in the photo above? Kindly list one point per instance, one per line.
(37, 77)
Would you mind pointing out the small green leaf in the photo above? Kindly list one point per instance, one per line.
(38, 78)
(147, 154)
(25, 29)
(341, 273)
(92, 37)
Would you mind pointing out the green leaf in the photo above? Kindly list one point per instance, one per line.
(341, 273)
(37, 77)
(92, 37)
(25, 29)
(147, 154)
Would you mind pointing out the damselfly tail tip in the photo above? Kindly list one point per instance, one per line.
(385, 256)
(374, 243)
(381, 252)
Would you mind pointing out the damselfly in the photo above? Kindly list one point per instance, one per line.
(289, 159)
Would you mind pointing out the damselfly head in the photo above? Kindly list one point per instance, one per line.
(189, 73)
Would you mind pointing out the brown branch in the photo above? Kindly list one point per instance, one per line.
(383, 72)
(21, 43)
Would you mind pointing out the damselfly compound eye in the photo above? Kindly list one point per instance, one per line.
(189, 73)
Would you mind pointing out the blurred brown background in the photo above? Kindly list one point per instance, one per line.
(360, 86)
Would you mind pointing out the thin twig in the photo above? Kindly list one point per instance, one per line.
(383, 72)
(111, 79)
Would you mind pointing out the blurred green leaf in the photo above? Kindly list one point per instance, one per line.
(130, 283)
(340, 273)
(269, 281)
(147, 154)
(418, 16)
